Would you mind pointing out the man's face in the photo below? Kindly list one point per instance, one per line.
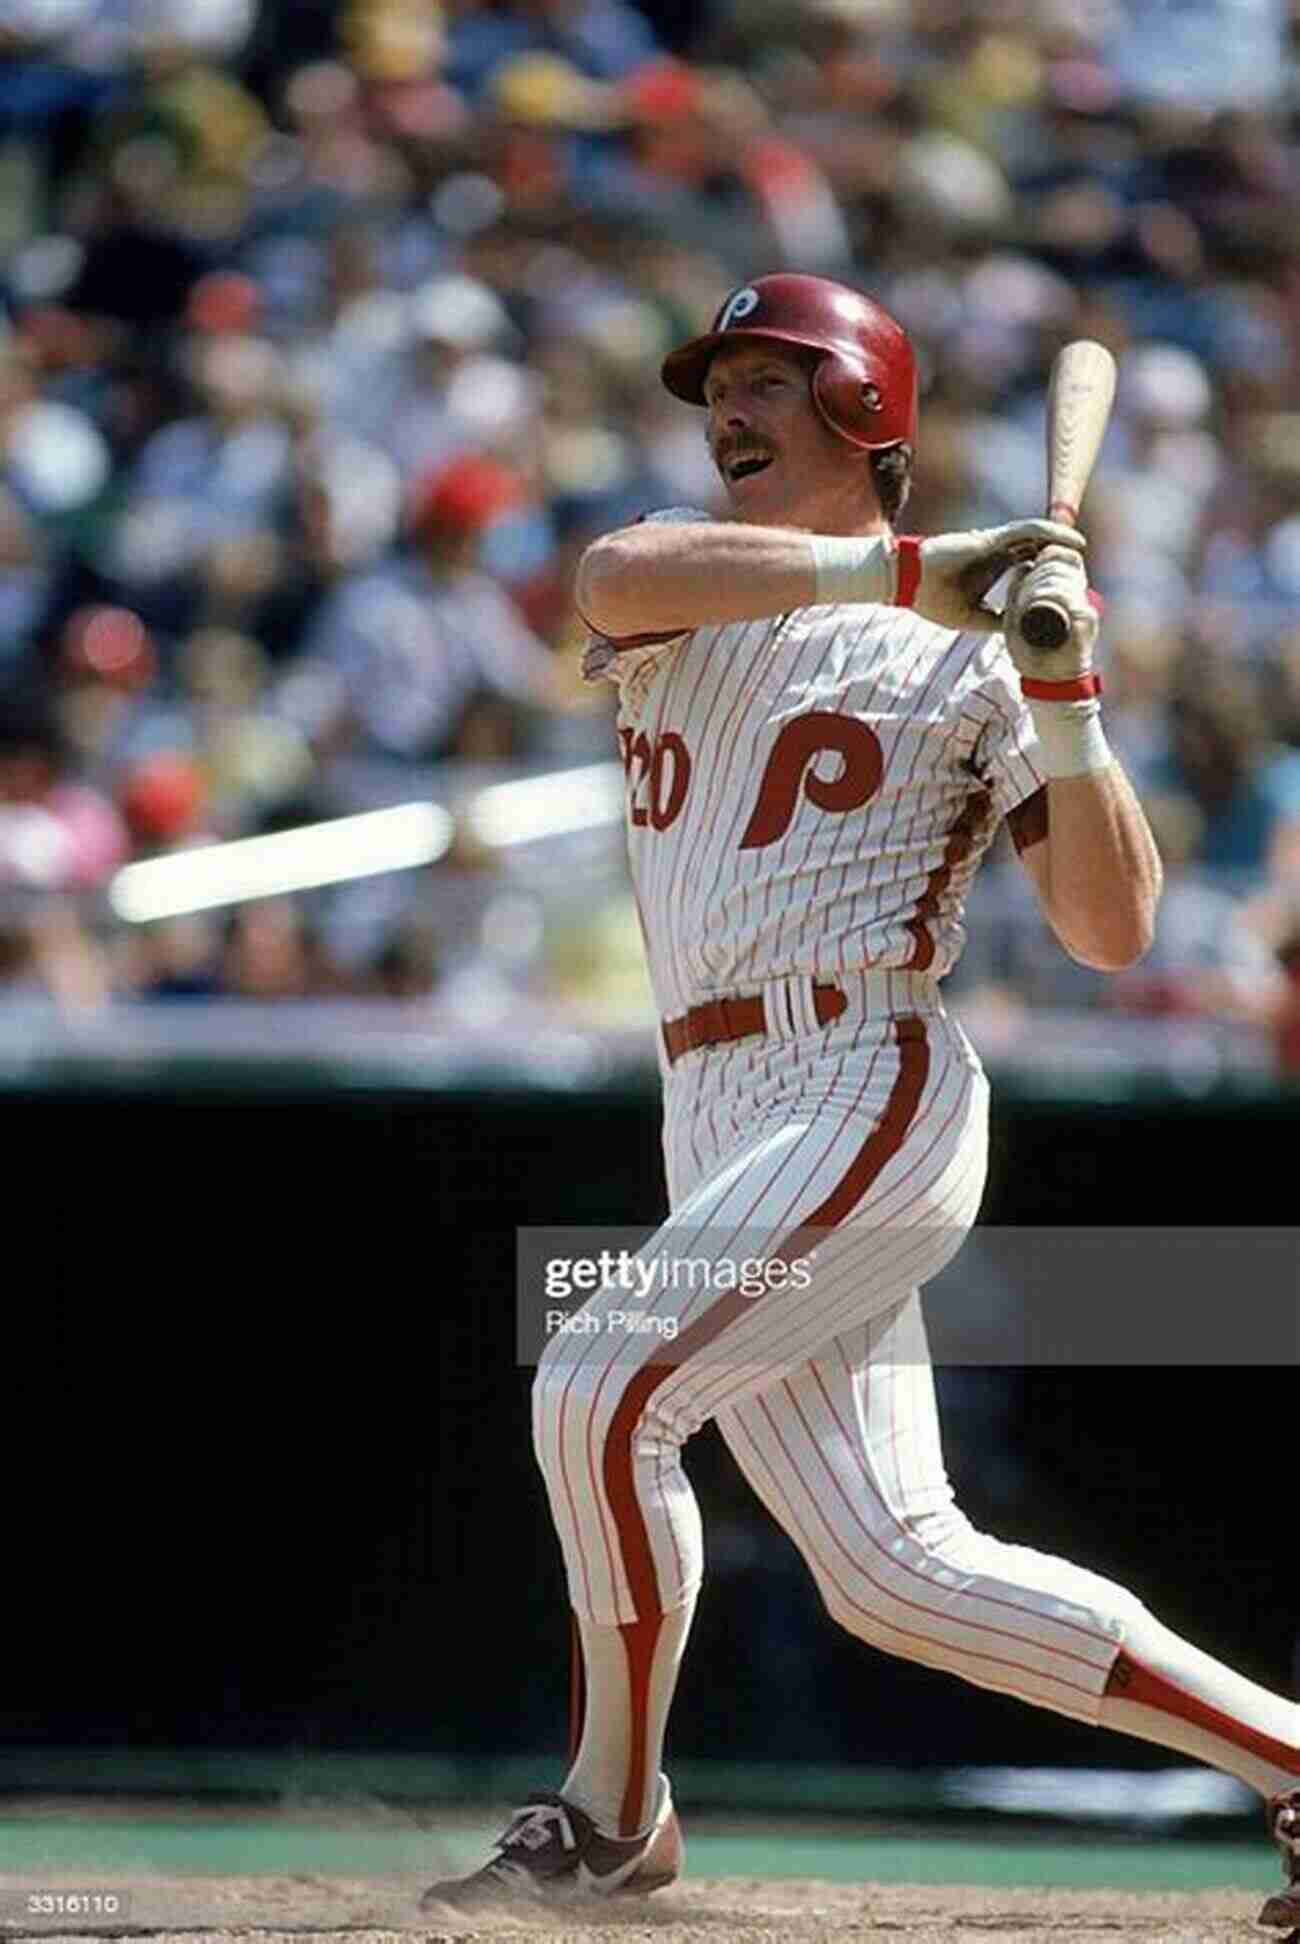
(777, 457)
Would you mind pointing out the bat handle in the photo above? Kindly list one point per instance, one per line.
(1045, 624)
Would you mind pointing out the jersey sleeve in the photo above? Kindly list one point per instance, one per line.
(1005, 755)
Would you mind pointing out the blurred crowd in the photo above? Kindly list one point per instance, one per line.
(329, 332)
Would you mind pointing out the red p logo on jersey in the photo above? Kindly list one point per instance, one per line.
(790, 768)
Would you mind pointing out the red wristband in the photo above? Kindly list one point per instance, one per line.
(909, 568)
(1081, 689)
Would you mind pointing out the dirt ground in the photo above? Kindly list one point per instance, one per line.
(383, 1910)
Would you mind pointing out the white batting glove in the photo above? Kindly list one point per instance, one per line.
(1060, 685)
(1058, 575)
(957, 570)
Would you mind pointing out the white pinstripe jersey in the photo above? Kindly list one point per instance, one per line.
(813, 793)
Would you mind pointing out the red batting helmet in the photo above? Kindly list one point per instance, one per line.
(864, 383)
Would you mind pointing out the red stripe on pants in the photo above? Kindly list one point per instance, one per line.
(1130, 1681)
(640, 1638)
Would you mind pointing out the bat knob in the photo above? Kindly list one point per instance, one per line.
(1044, 625)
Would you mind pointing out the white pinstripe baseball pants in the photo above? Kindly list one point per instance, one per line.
(868, 1139)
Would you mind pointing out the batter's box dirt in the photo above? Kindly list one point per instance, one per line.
(383, 1910)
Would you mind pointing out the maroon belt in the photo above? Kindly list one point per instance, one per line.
(718, 1020)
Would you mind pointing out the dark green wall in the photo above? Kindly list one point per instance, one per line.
(268, 1479)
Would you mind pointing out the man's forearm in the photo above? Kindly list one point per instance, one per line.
(1103, 870)
(649, 578)
(667, 577)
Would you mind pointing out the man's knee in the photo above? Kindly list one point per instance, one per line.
(567, 1392)
(880, 1578)
(855, 1616)
(583, 1405)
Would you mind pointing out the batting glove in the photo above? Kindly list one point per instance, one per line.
(1059, 576)
(946, 578)
(1060, 685)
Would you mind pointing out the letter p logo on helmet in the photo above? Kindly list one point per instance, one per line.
(738, 306)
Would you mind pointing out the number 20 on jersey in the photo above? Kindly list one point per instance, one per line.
(660, 774)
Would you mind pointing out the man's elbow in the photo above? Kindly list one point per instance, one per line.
(1115, 944)
(601, 588)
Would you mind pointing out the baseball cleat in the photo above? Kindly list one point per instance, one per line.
(552, 1850)
(1283, 1911)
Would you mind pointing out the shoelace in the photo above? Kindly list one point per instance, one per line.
(532, 1828)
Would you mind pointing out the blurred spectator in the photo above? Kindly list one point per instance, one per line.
(452, 388)
(27, 581)
(1250, 574)
(1215, 53)
(328, 337)
(416, 658)
(53, 458)
(1207, 959)
(600, 38)
(406, 967)
(56, 832)
(208, 493)
(1221, 755)
(104, 690)
(47, 951)
(176, 958)
(58, 837)
(705, 164)
(1162, 466)
(271, 952)
(135, 266)
(247, 760)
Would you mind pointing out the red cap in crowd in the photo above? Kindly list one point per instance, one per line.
(462, 497)
(662, 91)
(161, 797)
(223, 301)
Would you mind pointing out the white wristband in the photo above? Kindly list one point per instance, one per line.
(1071, 739)
(852, 569)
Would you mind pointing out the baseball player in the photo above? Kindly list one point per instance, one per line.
(822, 727)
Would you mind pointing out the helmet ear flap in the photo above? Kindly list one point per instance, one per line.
(847, 399)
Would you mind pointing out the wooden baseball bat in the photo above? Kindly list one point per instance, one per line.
(1080, 393)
